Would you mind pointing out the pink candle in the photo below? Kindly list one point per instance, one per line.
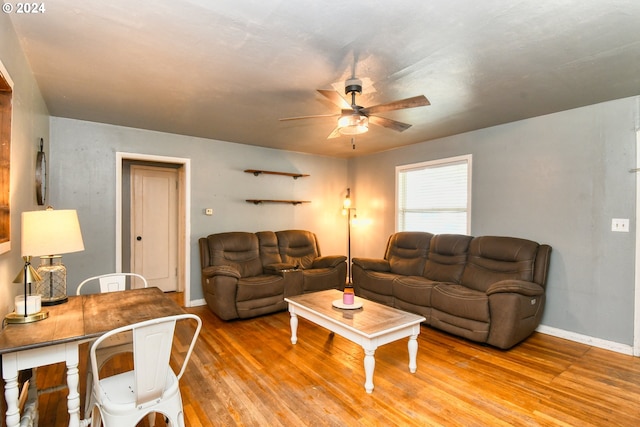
(347, 298)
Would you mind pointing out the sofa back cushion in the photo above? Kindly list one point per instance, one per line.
(447, 257)
(407, 252)
(269, 251)
(298, 247)
(238, 249)
(492, 259)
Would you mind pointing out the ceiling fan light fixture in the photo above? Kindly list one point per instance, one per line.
(353, 124)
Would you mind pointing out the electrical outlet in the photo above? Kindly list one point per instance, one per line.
(620, 224)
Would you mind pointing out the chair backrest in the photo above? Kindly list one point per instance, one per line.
(238, 249)
(447, 257)
(269, 252)
(298, 247)
(493, 258)
(152, 343)
(407, 252)
(114, 282)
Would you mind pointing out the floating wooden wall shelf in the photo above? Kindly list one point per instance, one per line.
(292, 202)
(257, 172)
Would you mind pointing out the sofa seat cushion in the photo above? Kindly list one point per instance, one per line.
(460, 301)
(262, 286)
(379, 282)
(413, 289)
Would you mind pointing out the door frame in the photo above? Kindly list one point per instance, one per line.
(184, 220)
(636, 307)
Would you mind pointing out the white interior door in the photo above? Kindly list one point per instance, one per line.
(154, 225)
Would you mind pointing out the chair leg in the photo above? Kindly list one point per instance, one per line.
(88, 400)
(96, 417)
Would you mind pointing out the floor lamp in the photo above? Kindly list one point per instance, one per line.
(346, 210)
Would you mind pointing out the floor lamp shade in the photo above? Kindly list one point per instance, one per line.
(48, 234)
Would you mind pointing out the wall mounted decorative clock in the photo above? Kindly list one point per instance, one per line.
(41, 175)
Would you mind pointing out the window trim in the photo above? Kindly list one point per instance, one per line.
(468, 158)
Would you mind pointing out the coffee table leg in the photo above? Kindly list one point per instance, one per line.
(413, 351)
(294, 327)
(369, 366)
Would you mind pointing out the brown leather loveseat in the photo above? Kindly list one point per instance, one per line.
(487, 289)
(249, 274)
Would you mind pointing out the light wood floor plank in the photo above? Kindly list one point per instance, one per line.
(247, 373)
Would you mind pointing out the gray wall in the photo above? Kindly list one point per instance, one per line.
(30, 122)
(83, 158)
(556, 179)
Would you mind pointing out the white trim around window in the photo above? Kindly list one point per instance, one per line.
(434, 196)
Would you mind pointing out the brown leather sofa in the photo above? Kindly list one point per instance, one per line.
(487, 289)
(249, 274)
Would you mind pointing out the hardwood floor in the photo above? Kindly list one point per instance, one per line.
(247, 373)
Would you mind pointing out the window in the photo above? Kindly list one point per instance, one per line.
(434, 196)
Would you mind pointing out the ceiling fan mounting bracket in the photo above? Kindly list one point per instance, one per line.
(353, 86)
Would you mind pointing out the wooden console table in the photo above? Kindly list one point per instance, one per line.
(57, 338)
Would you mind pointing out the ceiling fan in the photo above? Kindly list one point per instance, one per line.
(354, 119)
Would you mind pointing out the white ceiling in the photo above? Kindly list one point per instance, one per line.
(228, 70)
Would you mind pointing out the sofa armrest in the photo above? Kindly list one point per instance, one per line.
(221, 270)
(521, 287)
(372, 264)
(328, 261)
(279, 267)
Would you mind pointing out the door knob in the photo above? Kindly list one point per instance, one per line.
(139, 238)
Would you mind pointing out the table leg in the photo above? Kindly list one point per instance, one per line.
(369, 366)
(294, 327)
(413, 352)
(73, 379)
(11, 392)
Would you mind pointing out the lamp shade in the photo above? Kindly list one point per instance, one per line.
(51, 232)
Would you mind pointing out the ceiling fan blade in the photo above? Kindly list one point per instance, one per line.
(416, 101)
(388, 123)
(316, 116)
(335, 97)
(335, 133)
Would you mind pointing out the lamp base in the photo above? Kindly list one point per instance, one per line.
(21, 318)
(54, 301)
(53, 283)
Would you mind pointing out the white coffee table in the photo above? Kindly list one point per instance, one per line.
(371, 326)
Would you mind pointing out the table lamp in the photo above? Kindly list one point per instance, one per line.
(27, 306)
(49, 234)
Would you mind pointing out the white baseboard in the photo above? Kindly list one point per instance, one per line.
(197, 302)
(585, 339)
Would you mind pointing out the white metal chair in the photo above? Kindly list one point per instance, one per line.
(122, 343)
(152, 386)
(114, 282)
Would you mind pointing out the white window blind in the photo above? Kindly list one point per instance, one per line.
(434, 196)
